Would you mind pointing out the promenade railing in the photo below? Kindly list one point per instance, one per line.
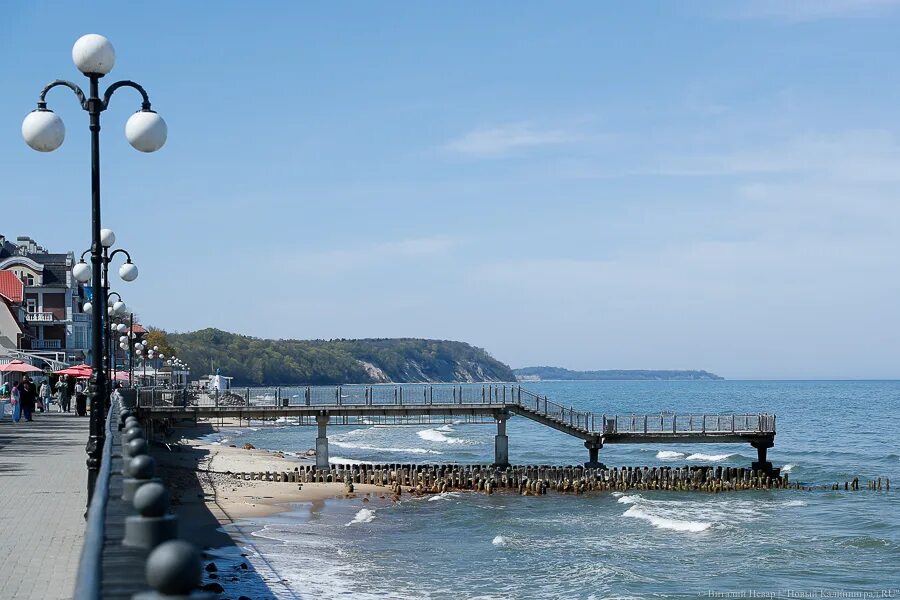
(501, 395)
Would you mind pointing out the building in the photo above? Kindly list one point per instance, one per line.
(47, 307)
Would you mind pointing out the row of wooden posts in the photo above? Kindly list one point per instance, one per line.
(536, 480)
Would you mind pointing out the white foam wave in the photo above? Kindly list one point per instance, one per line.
(787, 468)
(669, 455)
(433, 435)
(661, 522)
(445, 428)
(340, 460)
(364, 515)
(500, 541)
(380, 449)
(794, 503)
(709, 457)
(443, 496)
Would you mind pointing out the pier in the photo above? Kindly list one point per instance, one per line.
(475, 403)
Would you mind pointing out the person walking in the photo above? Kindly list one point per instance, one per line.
(28, 398)
(15, 398)
(80, 400)
(64, 396)
(45, 395)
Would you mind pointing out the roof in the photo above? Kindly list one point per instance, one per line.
(10, 287)
(55, 268)
(138, 328)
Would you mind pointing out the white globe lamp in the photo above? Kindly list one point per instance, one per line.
(119, 308)
(128, 271)
(121, 327)
(93, 54)
(87, 307)
(107, 238)
(82, 272)
(43, 130)
(146, 131)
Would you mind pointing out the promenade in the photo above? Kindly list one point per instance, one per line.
(42, 503)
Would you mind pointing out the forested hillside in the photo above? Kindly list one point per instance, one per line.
(255, 361)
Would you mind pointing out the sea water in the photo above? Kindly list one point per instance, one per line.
(787, 544)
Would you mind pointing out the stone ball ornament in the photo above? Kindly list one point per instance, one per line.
(43, 130)
(151, 499)
(146, 131)
(142, 467)
(174, 567)
(93, 54)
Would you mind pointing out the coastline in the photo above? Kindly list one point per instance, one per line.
(207, 498)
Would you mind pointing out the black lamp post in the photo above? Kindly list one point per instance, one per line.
(44, 131)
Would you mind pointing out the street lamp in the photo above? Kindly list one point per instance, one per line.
(44, 131)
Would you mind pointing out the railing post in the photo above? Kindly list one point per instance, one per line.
(703, 426)
(645, 423)
(732, 423)
(674, 421)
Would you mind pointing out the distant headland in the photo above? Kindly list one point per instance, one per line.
(558, 373)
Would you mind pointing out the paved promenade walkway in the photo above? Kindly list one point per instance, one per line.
(42, 501)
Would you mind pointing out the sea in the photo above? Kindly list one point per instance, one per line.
(759, 544)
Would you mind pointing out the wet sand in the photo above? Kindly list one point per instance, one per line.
(206, 496)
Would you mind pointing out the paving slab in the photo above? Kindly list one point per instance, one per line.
(43, 481)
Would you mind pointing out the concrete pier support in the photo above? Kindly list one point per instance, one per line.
(761, 463)
(322, 442)
(501, 442)
(593, 455)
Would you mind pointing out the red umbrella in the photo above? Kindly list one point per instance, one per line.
(79, 371)
(122, 376)
(17, 366)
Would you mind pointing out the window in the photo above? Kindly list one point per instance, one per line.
(31, 306)
(29, 279)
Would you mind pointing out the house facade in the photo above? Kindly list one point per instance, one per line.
(49, 306)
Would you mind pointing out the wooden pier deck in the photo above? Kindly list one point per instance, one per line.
(394, 404)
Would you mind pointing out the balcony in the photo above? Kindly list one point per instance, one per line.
(46, 344)
(40, 317)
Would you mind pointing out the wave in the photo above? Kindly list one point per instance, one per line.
(443, 496)
(794, 503)
(709, 457)
(500, 541)
(365, 515)
(669, 455)
(660, 522)
(787, 468)
(340, 460)
(380, 449)
(434, 435)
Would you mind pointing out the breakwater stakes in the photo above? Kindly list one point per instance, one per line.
(421, 404)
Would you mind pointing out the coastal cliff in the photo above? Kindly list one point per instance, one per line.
(557, 373)
(255, 361)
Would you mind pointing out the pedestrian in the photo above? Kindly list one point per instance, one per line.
(45, 395)
(15, 398)
(80, 400)
(64, 397)
(28, 398)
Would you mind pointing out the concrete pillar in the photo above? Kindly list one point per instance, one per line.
(501, 442)
(761, 463)
(322, 443)
(593, 447)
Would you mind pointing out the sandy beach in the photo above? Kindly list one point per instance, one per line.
(206, 496)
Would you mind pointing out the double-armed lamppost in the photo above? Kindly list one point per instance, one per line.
(44, 131)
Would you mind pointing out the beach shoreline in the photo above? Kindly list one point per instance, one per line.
(200, 474)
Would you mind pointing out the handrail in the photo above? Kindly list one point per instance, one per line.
(90, 565)
(456, 394)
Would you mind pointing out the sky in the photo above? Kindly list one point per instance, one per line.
(593, 185)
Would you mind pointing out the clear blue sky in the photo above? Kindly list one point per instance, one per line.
(592, 185)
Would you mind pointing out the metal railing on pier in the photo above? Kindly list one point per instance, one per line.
(492, 395)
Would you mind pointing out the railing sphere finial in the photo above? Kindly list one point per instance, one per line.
(174, 568)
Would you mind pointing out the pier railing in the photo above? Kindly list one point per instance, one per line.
(491, 395)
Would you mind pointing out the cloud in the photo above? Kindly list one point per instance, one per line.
(500, 141)
(861, 156)
(811, 10)
(362, 257)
